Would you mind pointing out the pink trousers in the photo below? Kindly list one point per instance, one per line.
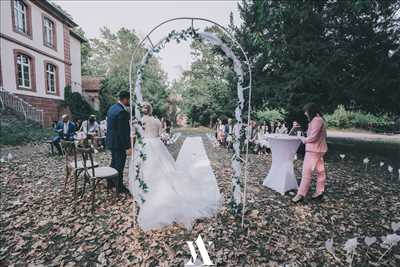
(312, 161)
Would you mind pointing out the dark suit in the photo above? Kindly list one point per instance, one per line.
(118, 138)
(69, 136)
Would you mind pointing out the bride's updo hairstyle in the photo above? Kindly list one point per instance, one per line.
(147, 108)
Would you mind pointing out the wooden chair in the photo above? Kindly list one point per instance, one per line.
(94, 174)
(74, 166)
(51, 146)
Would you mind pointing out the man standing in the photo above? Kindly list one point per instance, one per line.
(118, 136)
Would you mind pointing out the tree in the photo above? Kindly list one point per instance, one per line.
(78, 106)
(110, 57)
(86, 53)
(205, 88)
(329, 52)
(208, 89)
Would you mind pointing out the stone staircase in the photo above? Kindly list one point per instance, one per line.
(20, 106)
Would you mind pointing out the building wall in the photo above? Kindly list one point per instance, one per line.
(67, 55)
(67, 52)
(9, 69)
(76, 77)
(6, 27)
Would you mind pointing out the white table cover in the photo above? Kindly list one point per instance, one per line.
(281, 176)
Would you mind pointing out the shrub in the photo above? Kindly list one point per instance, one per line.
(270, 115)
(80, 109)
(342, 118)
(14, 131)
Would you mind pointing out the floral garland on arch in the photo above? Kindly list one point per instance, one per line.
(235, 201)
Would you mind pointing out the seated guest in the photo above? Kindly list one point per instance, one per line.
(91, 126)
(229, 133)
(316, 148)
(217, 126)
(165, 135)
(272, 128)
(296, 129)
(168, 126)
(78, 123)
(265, 128)
(262, 140)
(253, 134)
(281, 128)
(163, 125)
(221, 132)
(66, 130)
(103, 127)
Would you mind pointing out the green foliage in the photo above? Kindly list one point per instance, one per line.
(78, 106)
(342, 118)
(208, 89)
(14, 131)
(86, 53)
(270, 115)
(328, 52)
(110, 57)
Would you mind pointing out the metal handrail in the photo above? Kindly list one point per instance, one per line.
(12, 101)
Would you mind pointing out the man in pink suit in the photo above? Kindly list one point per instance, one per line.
(316, 148)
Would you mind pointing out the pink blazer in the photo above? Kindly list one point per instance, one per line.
(316, 136)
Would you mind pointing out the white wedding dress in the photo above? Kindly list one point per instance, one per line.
(179, 191)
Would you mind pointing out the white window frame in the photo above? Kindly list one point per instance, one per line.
(20, 13)
(51, 76)
(21, 65)
(48, 32)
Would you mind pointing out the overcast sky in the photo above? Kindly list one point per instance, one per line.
(144, 15)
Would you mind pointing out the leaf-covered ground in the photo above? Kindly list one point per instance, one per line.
(41, 224)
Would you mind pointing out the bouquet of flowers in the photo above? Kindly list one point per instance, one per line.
(165, 138)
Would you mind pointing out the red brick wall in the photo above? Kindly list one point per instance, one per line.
(51, 108)
(67, 55)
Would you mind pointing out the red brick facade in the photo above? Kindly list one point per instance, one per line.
(51, 108)
(67, 55)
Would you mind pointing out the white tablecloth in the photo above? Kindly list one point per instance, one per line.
(281, 176)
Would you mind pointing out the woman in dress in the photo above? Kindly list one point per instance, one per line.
(173, 194)
(262, 139)
(217, 126)
(316, 148)
(272, 128)
(281, 129)
(229, 133)
(221, 132)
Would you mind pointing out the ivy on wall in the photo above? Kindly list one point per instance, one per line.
(80, 109)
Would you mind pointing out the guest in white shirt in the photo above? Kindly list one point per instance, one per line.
(281, 128)
(91, 126)
(103, 127)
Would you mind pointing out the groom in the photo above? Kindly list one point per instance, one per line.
(118, 136)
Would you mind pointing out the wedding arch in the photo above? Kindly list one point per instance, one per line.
(238, 198)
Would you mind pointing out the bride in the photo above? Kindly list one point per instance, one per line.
(179, 191)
